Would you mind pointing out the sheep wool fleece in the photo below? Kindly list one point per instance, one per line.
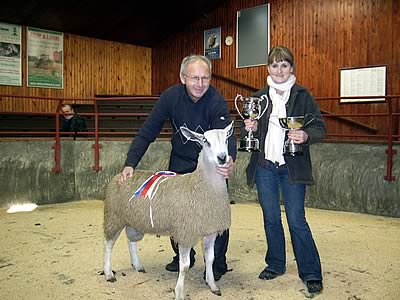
(184, 207)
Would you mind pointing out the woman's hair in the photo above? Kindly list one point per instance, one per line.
(193, 58)
(280, 53)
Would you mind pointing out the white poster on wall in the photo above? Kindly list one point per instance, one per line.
(363, 81)
(45, 58)
(10, 54)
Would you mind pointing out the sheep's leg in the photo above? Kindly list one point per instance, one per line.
(184, 262)
(108, 247)
(208, 246)
(134, 236)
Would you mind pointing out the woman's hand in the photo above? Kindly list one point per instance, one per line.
(251, 124)
(298, 136)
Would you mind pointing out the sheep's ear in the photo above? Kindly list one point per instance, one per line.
(191, 135)
(229, 129)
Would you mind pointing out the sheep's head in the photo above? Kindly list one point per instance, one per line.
(214, 143)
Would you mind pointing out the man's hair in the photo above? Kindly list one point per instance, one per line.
(65, 105)
(280, 53)
(194, 58)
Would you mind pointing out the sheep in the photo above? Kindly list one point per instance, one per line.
(186, 207)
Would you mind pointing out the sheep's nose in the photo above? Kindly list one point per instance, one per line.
(221, 159)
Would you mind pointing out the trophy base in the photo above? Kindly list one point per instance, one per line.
(292, 150)
(292, 153)
(249, 145)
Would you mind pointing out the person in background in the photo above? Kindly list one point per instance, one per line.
(72, 121)
(275, 174)
(195, 104)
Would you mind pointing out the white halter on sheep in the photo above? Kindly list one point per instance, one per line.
(187, 207)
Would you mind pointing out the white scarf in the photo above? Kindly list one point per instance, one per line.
(276, 135)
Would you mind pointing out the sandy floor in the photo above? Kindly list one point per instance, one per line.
(56, 252)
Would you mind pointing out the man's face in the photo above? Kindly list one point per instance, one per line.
(67, 110)
(197, 79)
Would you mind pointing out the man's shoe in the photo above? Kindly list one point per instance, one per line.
(173, 266)
(314, 286)
(217, 274)
(268, 275)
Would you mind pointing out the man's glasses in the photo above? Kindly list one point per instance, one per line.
(196, 79)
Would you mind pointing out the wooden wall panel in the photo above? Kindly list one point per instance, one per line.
(324, 35)
(91, 67)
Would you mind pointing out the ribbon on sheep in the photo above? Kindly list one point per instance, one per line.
(149, 188)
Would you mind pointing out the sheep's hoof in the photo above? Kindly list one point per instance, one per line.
(139, 268)
(102, 272)
(112, 279)
(217, 292)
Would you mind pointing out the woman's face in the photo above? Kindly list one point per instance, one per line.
(280, 71)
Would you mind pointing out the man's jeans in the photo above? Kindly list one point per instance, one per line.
(270, 180)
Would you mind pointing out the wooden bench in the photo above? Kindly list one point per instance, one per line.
(107, 124)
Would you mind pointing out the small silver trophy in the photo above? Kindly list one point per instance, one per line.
(251, 109)
(290, 123)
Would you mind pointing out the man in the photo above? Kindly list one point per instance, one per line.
(72, 122)
(198, 106)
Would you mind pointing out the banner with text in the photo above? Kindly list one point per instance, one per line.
(45, 58)
(10, 54)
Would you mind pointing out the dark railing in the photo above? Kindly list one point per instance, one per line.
(95, 113)
(390, 138)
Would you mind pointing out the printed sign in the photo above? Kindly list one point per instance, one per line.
(45, 58)
(212, 43)
(10, 54)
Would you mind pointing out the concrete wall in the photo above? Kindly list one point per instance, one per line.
(349, 177)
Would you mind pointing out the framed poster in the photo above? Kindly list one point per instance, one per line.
(212, 43)
(10, 54)
(45, 58)
(363, 81)
(252, 36)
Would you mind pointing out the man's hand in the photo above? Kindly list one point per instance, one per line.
(227, 169)
(126, 173)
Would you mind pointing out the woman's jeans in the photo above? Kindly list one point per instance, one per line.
(270, 180)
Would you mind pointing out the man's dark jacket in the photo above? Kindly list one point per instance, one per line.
(209, 112)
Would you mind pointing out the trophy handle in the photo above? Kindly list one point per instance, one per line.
(238, 110)
(283, 123)
(263, 97)
(308, 122)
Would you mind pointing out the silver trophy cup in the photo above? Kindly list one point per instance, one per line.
(250, 109)
(290, 123)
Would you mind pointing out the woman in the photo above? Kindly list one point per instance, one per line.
(275, 173)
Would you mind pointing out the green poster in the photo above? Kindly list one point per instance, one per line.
(45, 58)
